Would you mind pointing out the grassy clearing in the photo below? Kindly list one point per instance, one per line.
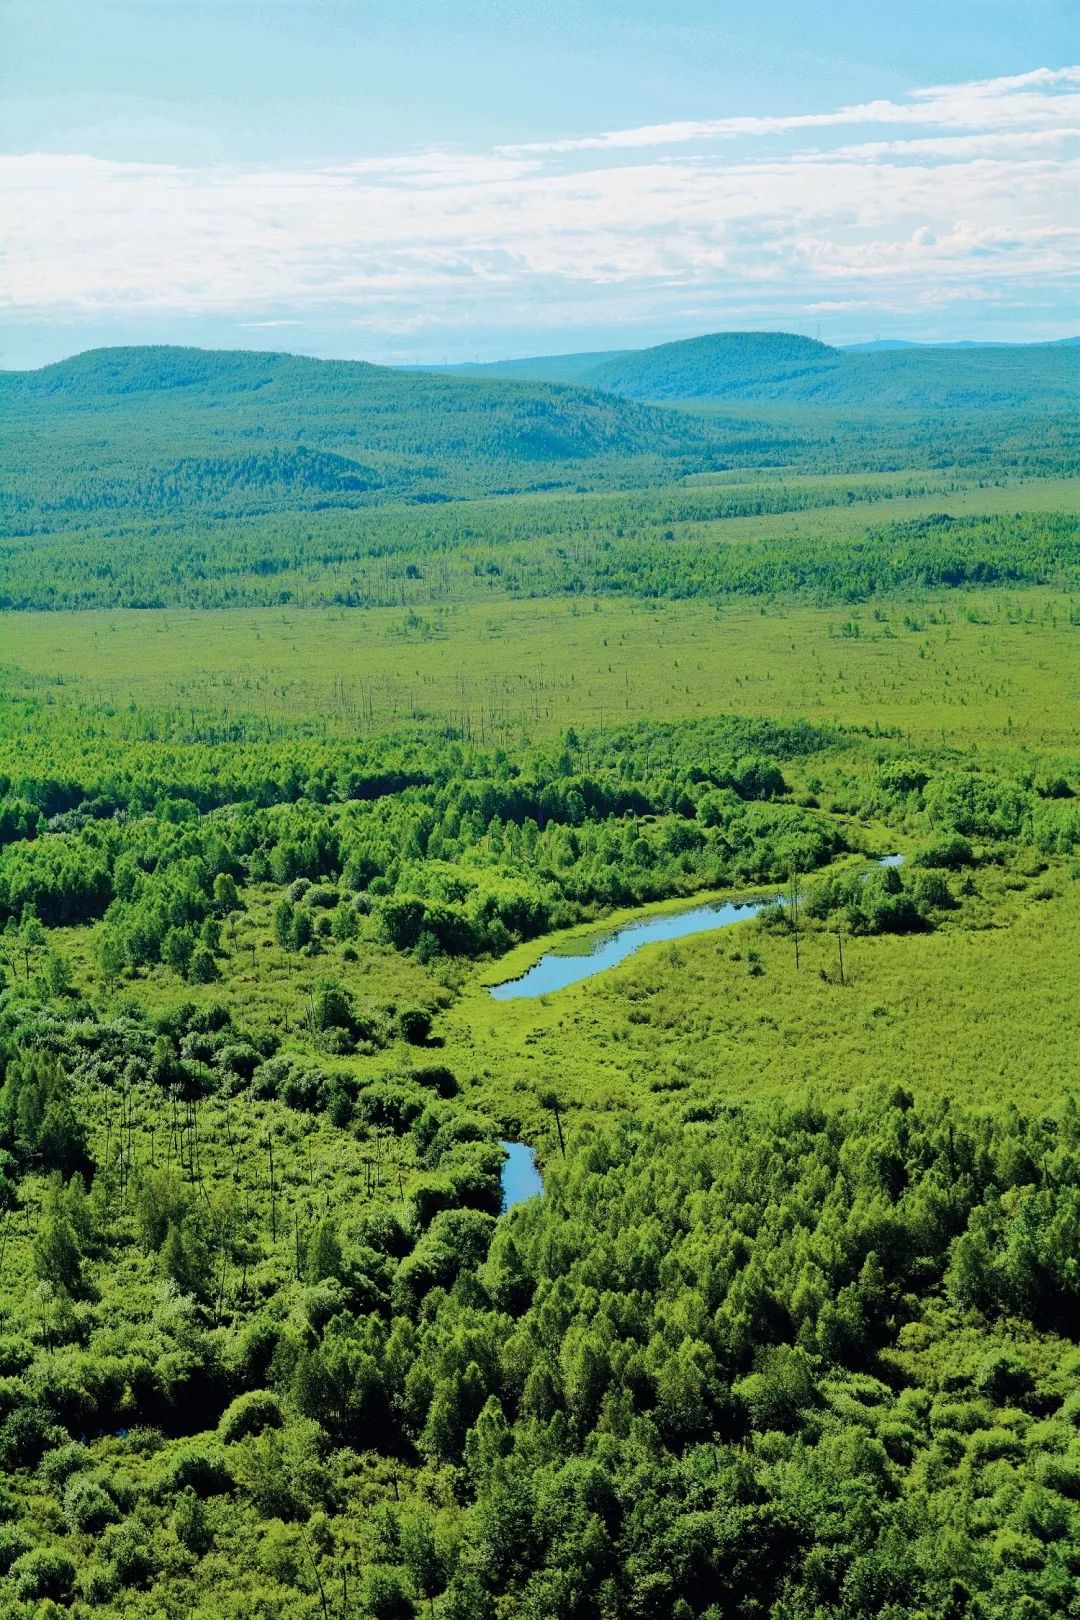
(998, 670)
(986, 1007)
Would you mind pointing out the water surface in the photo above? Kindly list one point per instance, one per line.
(555, 971)
(520, 1177)
(558, 969)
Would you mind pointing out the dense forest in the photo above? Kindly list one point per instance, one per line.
(300, 764)
(815, 540)
(277, 1344)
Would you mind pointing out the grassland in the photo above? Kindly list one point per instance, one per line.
(996, 669)
(986, 1005)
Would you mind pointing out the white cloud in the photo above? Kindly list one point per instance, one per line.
(981, 104)
(972, 192)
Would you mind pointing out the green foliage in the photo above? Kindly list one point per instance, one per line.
(792, 1329)
(46, 1572)
(37, 1119)
(250, 1413)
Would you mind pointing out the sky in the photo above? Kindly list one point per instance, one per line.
(430, 180)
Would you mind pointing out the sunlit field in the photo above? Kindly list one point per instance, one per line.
(998, 669)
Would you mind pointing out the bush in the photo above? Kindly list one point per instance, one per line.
(202, 969)
(24, 1438)
(437, 1077)
(1004, 1378)
(200, 1467)
(270, 1076)
(87, 1508)
(951, 853)
(323, 896)
(932, 892)
(303, 1090)
(386, 1596)
(390, 1107)
(45, 1572)
(337, 1043)
(13, 1543)
(127, 1546)
(190, 1524)
(58, 1466)
(239, 1058)
(98, 1584)
(414, 1024)
(249, 1414)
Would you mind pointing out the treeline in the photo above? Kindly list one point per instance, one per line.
(648, 544)
(447, 849)
(922, 554)
(470, 853)
(163, 562)
(176, 764)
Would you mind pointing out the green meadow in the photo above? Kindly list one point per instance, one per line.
(996, 669)
(682, 1025)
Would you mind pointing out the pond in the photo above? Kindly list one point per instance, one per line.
(558, 969)
(520, 1177)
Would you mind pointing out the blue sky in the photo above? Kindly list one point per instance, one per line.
(473, 178)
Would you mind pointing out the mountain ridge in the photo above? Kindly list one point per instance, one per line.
(788, 368)
(111, 429)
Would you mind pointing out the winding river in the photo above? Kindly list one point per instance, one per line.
(558, 969)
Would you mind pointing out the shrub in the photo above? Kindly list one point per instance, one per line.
(323, 895)
(303, 1090)
(200, 1467)
(13, 1543)
(127, 1546)
(202, 968)
(386, 1596)
(250, 1413)
(337, 1043)
(415, 1025)
(87, 1508)
(1004, 1378)
(932, 892)
(24, 1438)
(98, 1583)
(389, 1106)
(438, 1078)
(190, 1524)
(952, 853)
(59, 1465)
(45, 1572)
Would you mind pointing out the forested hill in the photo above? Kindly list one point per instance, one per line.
(174, 428)
(119, 439)
(784, 368)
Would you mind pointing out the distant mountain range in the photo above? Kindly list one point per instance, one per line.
(136, 433)
(784, 368)
(877, 344)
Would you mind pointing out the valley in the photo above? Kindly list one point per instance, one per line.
(334, 697)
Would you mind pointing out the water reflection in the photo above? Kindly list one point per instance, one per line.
(520, 1177)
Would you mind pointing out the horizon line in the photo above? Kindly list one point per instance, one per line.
(882, 343)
